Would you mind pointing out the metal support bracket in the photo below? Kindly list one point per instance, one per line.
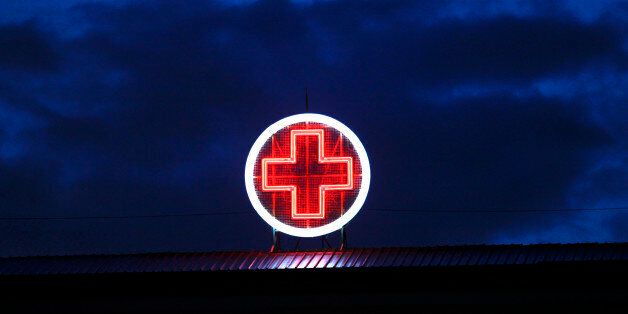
(276, 241)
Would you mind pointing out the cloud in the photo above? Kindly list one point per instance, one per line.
(512, 49)
(25, 47)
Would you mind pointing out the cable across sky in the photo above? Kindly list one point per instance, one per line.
(384, 210)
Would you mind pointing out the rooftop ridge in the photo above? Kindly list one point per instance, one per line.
(386, 257)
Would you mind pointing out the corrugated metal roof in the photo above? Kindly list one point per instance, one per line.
(449, 256)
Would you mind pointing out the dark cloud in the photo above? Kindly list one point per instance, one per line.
(494, 152)
(24, 186)
(152, 109)
(512, 48)
(25, 47)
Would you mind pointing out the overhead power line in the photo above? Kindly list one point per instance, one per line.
(385, 210)
(475, 210)
(225, 213)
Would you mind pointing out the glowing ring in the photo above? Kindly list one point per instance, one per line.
(332, 226)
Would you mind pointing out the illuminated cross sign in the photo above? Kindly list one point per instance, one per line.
(307, 175)
(316, 176)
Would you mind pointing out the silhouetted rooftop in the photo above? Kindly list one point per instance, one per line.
(474, 255)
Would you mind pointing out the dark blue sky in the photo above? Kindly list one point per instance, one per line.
(117, 108)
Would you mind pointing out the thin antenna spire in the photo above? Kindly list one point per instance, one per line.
(307, 103)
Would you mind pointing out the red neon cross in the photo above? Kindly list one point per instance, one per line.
(300, 162)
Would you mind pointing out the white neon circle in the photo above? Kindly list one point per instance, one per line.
(316, 231)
